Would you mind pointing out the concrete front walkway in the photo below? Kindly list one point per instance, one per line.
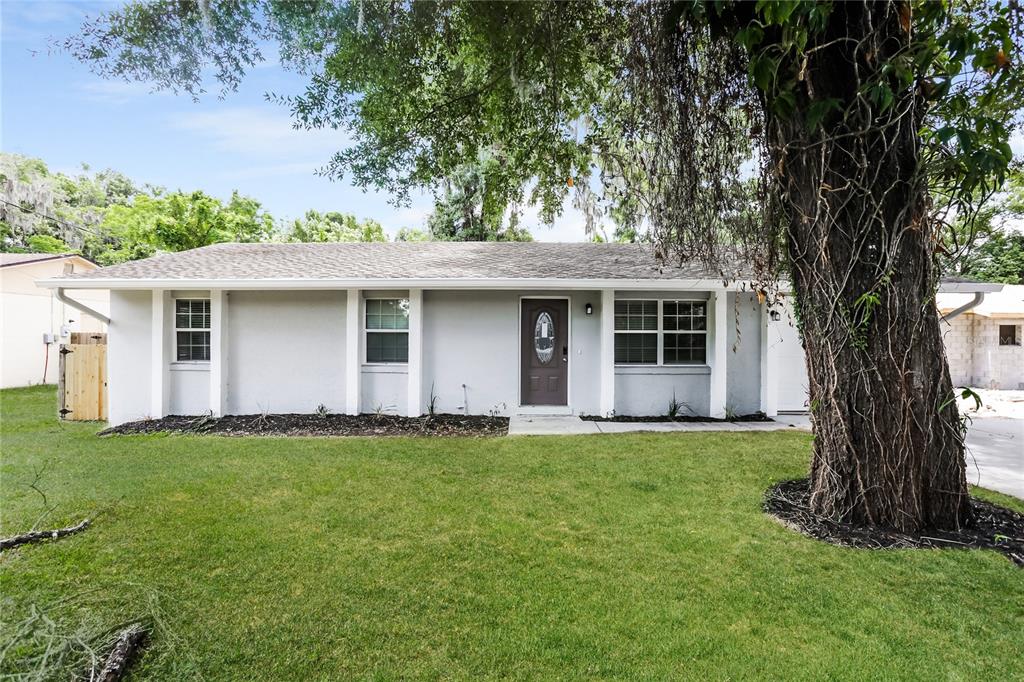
(544, 425)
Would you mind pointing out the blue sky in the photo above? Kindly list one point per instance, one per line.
(55, 109)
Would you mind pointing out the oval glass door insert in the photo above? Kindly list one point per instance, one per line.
(544, 338)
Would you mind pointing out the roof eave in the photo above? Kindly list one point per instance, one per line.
(395, 283)
(47, 259)
(968, 287)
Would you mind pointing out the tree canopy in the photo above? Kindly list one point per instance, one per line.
(465, 211)
(334, 227)
(599, 101)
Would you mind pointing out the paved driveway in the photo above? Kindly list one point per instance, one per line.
(995, 456)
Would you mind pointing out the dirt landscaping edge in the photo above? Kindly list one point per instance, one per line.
(318, 425)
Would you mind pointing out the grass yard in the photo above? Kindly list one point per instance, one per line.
(634, 556)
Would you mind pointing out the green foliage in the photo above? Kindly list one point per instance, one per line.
(545, 91)
(29, 195)
(335, 227)
(999, 257)
(424, 89)
(467, 211)
(863, 310)
(175, 221)
(110, 219)
(44, 243)
(412, 234)
(188, 221)
(990, 246)
(964, 60)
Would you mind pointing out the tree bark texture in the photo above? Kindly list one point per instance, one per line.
(888, 447)
(40, 535)
(121, 656)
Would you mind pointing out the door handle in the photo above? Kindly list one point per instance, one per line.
(565, 353)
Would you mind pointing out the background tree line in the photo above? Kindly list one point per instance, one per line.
(109, 218)
(993, 244)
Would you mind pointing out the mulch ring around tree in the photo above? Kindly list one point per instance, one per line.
(993, 527)
(318, 425)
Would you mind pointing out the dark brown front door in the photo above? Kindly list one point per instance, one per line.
(544, 354)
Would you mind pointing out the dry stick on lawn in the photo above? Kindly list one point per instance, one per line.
(34, 485)
(40, 535)
(127, 645)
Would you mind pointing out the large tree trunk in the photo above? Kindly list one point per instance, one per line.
(888, 448)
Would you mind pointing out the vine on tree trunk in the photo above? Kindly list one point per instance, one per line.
(839, 184)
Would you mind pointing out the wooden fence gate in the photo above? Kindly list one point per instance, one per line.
(82, 382)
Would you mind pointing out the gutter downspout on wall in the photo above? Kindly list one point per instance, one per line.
(979, 296)
(63, 298)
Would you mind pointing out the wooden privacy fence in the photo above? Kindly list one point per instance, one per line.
(82, 382)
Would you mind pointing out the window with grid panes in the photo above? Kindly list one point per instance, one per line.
(387, 330)
(685, 328)
(192, 329)
(636, 332)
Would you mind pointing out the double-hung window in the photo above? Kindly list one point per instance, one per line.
(192, 329)
(685, 325)
(636, 332)
(655, 332)
(387, 330)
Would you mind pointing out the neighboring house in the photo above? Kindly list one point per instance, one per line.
(35, 322)
(983, 343)
(477, 328)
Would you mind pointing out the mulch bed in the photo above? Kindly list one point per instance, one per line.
(755, 417)
(318, 425)
(993, 527)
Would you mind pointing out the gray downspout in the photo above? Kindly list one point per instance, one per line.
(979, 296)
(63, 298)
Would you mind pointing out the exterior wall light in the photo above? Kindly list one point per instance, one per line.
(588, 309)
(776, 316)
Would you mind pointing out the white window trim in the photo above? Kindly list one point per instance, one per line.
(175, 329)
(366, 346)
(661, 331)
(657, 331)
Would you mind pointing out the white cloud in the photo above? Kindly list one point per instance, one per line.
(262, 133)
(115, 92)
(33, 23)
(51, 11)
(570, 226)
(271, 170)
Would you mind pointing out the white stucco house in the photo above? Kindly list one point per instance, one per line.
(984, 342)
(36, 321)
(475, 328)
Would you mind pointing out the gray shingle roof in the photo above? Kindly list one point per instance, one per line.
(404, 260)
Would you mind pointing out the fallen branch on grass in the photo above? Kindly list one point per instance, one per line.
(40, 535)
(123, 653)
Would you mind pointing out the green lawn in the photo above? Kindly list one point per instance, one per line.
(636, 556)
